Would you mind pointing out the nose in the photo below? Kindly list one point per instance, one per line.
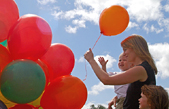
(139, 99)
(124, 54)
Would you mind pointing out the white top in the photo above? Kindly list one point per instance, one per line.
(120, 90)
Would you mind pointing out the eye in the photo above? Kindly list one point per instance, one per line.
(124, 49)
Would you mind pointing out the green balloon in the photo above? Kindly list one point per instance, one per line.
(22, 81)
(4, 43)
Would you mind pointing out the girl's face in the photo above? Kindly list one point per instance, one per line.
(143, 102)
(130, 54)
(123, 64)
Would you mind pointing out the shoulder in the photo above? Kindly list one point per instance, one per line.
(145, 64)
(138, 72)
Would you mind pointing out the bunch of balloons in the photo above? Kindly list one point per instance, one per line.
(33, 72)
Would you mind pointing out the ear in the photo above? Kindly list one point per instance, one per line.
(132, 65)
(149, 105)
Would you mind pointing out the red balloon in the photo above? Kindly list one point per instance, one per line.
(66, 92)
(23, 106)
(5, 57)
(45, 69)
(9, 14)
(113, 20)
(29, 38)
(59, 59)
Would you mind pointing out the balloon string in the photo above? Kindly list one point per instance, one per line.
(97, 40)
(85, 61)
(86, 72)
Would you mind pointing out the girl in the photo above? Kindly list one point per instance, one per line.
(153, 97)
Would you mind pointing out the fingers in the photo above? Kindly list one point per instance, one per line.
(109, 106)
(107, 61)
(90, 49)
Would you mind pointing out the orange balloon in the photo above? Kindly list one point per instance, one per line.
(113, 20)
(66, 92)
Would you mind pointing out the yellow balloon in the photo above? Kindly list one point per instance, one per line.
(6, 101)
(36, 102)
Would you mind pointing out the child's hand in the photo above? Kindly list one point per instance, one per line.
(112, 102)
(102, 61)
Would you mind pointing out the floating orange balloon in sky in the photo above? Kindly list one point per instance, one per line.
(113, 20)
(9, 14)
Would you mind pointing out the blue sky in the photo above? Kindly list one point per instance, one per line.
(75, 23)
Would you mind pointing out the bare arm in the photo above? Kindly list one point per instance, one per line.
(133, 74)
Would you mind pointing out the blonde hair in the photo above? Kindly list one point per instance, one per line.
(140, 47)
(121, 55)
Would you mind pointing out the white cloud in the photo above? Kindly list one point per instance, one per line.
(156, 29)
(146, 28)
(71, 29)
(98, 88)
(132, 25)
(166, 7)
(164, 22)
(81, 59)
(110, 59)
(80, 23)
(90, 10)
(160, 53)
(167, 89)
(57, 14)
(148, 10)
(87, 106)
(44, 2)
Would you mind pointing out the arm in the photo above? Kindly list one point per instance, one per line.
(133, 74)
(103, 63)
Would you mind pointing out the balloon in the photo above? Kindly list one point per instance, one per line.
(6, 101)
(113, 20)
(59, 59)
(29, 38)
(45, 69)
(5, 57)
(66, 92)
(9, 14)
(2, 105)
(4, 43)
(22, 81)
(36, 102)
(23, 106)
